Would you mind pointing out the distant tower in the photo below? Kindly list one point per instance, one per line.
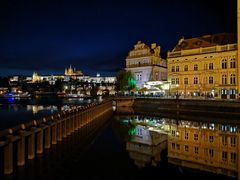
(35, 77)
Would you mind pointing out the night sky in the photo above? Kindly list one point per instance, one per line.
(96, 35)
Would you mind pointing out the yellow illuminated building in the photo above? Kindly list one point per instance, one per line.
(145, 63)
(205, 66)
(72, 72)
(35, 77)
(205, 146)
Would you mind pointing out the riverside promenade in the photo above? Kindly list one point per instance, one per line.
(207, 107)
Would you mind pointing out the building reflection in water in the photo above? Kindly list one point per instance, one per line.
(206, 146)
(146, 145)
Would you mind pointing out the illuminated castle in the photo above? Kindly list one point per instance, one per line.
(72, 72)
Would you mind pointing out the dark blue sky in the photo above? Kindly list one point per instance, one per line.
(96, 35)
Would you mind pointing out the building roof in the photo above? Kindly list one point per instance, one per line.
(206, 41)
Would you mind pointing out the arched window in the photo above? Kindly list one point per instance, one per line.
(233, 63)
(233, 79)
(224, 64)
(224, 79)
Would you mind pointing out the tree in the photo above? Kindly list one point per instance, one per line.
(125, 81)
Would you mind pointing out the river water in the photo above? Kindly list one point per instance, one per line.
(136, 146)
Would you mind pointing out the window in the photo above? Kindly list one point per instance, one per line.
(210, 80)
(233, 157)
(173, 68)
(195, 137)
(173, 145)
(224, 79)
(173, 133)
(173, 80)
(224, 140)
(224, 64)
(185, 80)
(233, 141)
(177, 80)
(178, 146)
(195, 67)
(233, 79)
(186, 148)
(139, 77)
(210, 66)
(224, 156)
(196, 150)
(211, 154)
(233, 63)
(186, 68)
(195, 81)
(211, 138)
(186, 135)
(177, 68)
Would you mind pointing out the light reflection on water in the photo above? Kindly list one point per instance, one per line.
(207, 146)
(14, 111)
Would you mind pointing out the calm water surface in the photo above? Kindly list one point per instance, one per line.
(16, 111)
(142, 147)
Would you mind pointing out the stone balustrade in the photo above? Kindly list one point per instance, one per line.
(44, 133)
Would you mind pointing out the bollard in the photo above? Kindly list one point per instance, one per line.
(47, 135)
(31, 146)
(8, 154)
(40, 142)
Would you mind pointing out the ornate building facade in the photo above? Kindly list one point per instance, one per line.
(205, 66)
(145, 63)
